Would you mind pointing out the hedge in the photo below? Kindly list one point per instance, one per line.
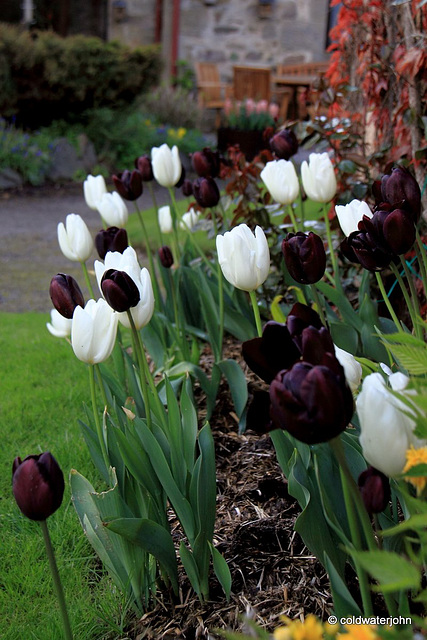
(44, 77)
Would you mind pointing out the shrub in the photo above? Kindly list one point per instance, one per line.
(174, 106)
(45, 77)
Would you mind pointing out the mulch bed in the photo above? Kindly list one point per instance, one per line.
(273, 572)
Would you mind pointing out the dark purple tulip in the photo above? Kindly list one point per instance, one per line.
(299, 318)
(401, 190)
(65, 294)
(119, 290)
(166, 257)
(271, 353)
(317, 347)
(38, 485)
(312, 402)
(145, 168)
(187, 188)
(399, 231)
(129, 184)
(305, 256)
(284, 144)
(367, 245)
(206, 163)
(206, 192)
(375, 490)
(111, 239)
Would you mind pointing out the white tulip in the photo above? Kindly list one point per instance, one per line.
(352, 368)
(165, 219)
(93, 332)
(94, 188)
(128, 262)
(280, 178)
(189, 219)
(318, 177)
(74, 238)
(59, 326)
(349, 215)
(112, 208)
(244, 257)
(166, 165)
(386, 429)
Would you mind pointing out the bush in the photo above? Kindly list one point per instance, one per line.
(27, 154)
(176, 106)
(44, 77)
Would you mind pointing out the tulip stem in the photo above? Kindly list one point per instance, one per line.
(157, 297)
(347, 483)
(405, 293)
(293, 218)
(388, 303)
(97, 420)
(301, 205)
(414, 297)
(220, 291)
(331, 248)
(87, 279)
(56, 581)
(156, 209)
(255, 307)
(422, 259)
(174, 210)
(317, 302)
(181, 333)
(101, 385)
(142, 364)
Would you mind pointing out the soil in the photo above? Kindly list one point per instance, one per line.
(273, 573)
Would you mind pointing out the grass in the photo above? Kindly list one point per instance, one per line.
(43, 388)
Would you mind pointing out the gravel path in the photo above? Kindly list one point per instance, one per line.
(29, 250)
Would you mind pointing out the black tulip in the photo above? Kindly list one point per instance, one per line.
(271, 353)
(38, 485)
(206, 192)
(374, 487)
(284, 144)
(312, 402)
(206, 163)
(119, 290)
(401, 190)
(65, 294)
(305, 256)
(145, 168)
(166, 257)
(399, 231)
(187, 188)
(111, 239)
(129, 184)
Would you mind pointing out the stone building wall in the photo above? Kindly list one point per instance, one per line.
(231, 32)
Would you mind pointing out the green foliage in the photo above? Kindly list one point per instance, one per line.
(174, 106)
(28, 154)
(43, 76)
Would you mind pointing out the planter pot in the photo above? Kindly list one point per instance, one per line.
(251, 142)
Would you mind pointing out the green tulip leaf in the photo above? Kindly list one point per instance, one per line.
(222, 571)
(237, 382)
(392, 571)
(344, 603)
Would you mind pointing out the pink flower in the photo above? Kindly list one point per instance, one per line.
(262, 106)
(250, 106)
(228, 106)
(273, 110)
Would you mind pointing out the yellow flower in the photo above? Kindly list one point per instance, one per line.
(181, 132)
(147, 123)
(359, 632)
(414, 457)
(310, 629)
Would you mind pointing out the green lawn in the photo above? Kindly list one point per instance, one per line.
(43, 386)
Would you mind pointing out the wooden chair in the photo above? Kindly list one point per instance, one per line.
(252, 82)
(211, 92)
(290, 98)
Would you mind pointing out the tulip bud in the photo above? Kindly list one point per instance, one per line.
(111, 239)
(400, 189)
(113, 210)
(271, 353)
(74, 238)
(318, 177)
(206, 192)
(164, 217)
(375, 490)
(284, 144)
(167, 167)
(311, 402)
(206, 163)
(351, 214)
(244, 257)
(399, 231)
(65, 294)
(187, 188)
(94, 188)
(59, 326)
(38, 485)
(145, 168)
(280, 178)
(166, 257)
(119, 290)
(305, 256)
(129, 184)
(300, 317)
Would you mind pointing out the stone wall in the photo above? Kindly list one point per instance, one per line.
(232, 32)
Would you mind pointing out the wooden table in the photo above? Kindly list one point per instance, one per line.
(292, 82)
